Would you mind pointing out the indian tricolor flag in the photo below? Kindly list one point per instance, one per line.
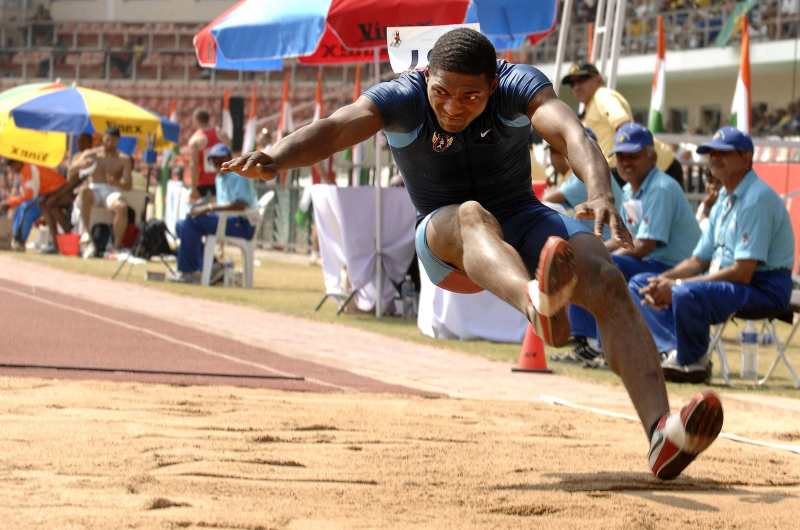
(740, 110)
(286, 121)
(227, 119)
(656, 121)
(249, 141)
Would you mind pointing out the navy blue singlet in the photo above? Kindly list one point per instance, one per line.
(488, 162)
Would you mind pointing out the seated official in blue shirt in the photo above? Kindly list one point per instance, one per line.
(657, 214)
(572, 191)
(742, 262)
(234, 193)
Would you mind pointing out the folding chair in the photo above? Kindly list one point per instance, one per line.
(342, 300)
(790, 316)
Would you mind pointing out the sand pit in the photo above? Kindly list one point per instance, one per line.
(89, 454)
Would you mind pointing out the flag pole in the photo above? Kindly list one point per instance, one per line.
(655, 120)
(378, 243)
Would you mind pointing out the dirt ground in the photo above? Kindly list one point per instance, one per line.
(90, 454)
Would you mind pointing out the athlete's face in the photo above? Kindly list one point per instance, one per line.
(457, 99)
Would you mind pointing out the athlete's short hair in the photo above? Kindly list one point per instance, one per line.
(202, 116)
(464, 51)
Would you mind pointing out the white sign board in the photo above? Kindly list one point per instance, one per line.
(410, 46)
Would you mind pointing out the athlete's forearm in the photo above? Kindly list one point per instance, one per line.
(590, 166)
(317, 141)
(559, 126)
(308, 145)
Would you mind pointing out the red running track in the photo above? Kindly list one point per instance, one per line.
(51, 335)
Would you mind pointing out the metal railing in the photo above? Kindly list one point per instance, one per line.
(685, 30)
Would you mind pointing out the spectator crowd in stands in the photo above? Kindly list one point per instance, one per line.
(776, 122)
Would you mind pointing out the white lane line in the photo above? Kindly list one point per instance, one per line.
(173, 340)
(555, 400)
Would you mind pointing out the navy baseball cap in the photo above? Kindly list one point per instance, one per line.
(219, 151)
(727, 139)
(632, 138)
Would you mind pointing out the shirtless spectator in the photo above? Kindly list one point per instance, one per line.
(111, 175)
(55, 205)
(202, 172)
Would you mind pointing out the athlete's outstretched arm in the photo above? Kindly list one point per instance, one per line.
(559, 126)
(347, 126)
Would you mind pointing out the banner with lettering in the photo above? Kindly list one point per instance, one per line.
(410, 46)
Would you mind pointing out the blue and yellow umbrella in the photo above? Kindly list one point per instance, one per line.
(34, 120)
(36, 147)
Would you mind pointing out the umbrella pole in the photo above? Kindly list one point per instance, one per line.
(378, 244)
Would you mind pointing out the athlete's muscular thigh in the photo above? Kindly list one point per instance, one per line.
(443, 235)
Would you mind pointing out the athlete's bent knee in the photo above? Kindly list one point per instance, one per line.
(472, 214)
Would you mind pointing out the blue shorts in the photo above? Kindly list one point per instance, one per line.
(526, 231)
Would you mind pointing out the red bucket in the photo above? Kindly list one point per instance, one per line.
(69, 244)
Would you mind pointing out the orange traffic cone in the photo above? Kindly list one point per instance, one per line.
(531, 357)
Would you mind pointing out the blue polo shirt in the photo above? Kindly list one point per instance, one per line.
(574, 191)
(660, 211)
(750, 223)
(232, 187)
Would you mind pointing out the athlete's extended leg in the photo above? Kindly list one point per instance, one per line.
(469, 238)
(631, 353)
(630, 350)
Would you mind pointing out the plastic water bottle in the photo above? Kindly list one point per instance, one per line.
(227, 275)
(749, 343)
(408, 295)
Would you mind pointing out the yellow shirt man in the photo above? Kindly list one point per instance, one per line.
(606, 111)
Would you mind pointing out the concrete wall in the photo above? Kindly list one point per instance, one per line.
(138, 10)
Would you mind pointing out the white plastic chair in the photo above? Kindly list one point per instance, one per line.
(247, 246)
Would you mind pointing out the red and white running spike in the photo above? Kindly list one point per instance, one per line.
(550, 292)
(679, 438)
